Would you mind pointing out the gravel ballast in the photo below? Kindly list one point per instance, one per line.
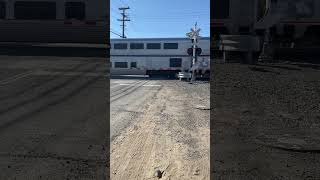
(265, 121)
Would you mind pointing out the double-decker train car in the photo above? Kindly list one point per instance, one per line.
(154, 56)
(54, 21)
(285, 18)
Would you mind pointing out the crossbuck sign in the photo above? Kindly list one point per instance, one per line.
(194, 34)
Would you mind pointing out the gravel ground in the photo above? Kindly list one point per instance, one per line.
(265, 121)
(171, 135)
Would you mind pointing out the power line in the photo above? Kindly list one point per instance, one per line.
(178, 13)
(115, 33)
(172, 17)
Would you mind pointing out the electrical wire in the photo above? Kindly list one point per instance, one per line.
(118, 34)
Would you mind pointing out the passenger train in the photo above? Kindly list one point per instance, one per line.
(155, 56)
(54, 21)
(287, 20)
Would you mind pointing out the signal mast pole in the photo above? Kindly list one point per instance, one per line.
(194, 36)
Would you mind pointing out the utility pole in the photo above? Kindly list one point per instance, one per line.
(124, 19)
(194, 36)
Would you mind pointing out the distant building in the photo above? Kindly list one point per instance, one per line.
(77, 21)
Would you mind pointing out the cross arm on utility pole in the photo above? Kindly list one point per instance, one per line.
(124, 8)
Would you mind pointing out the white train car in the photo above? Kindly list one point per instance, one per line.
(54, 21)
(154, 56)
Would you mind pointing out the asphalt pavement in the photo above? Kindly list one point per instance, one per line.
(53, 117)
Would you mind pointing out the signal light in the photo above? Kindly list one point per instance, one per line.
(190, 51)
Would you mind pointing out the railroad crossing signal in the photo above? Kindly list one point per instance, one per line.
(194, 34)
(194, 51)
(198, 51)
(190, 51)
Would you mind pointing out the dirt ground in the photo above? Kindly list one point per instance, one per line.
(265, 121)
(172, 136)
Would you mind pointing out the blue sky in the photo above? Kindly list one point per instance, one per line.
(161, 18)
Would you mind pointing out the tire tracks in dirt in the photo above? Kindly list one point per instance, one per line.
(39, 98)
(27, 89)
(45, 92)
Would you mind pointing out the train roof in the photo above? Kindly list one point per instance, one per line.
(155, 39)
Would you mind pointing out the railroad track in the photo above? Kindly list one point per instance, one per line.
(126, 91)
(59, 91)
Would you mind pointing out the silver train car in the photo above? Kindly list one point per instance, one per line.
(287, 20)
(154, 56)
(54, 21)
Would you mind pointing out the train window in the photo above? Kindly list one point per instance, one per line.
(170, 45)
(154, 46)
(175, 62)
(136, 46)
(34, 10)
(133, 65)
(2, 10)
(120, 46)
(75, 10)
(120, 64)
